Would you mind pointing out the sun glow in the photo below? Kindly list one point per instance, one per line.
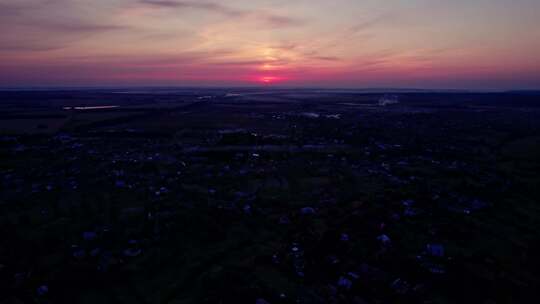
(267, 67)
(268, 79)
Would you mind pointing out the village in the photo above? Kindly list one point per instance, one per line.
(240, 199)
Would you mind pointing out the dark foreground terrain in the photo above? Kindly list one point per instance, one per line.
(250, 196)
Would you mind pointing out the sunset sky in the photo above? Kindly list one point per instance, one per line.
(481, 44)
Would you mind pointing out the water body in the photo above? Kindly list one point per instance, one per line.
(90, 108)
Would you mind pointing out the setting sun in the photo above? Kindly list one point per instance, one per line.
(269, 79)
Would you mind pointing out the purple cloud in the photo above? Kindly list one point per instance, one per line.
(265, 18)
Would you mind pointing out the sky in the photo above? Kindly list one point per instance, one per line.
(431, 44)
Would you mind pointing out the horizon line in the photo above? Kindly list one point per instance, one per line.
(273, 87)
